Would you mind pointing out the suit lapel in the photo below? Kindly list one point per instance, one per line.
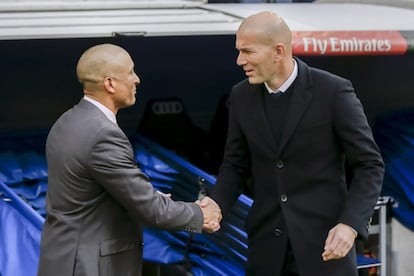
(300, 100)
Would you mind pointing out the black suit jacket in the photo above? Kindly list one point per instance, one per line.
(299, 186)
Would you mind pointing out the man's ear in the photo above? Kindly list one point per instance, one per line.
(109, 84)
(279, 51)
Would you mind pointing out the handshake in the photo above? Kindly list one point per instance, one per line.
(212, 214)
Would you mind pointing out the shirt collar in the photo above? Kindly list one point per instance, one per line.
(287, 83)
(108, 113)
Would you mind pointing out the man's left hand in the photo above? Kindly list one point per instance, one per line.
(340, 240)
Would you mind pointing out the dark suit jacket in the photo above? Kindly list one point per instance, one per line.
(299, 185)
(98, 200)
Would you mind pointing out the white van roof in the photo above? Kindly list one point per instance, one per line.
(318, 28)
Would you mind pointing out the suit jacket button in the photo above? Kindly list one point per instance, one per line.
(280, 164)
(278, 232)
(283, 198)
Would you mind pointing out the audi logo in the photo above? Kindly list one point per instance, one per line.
(167, 107)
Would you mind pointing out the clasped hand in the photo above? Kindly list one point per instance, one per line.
(211, 213)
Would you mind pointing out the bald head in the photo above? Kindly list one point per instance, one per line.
(269, 28)
(98, 62)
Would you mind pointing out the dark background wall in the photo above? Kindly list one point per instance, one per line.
(39, 80)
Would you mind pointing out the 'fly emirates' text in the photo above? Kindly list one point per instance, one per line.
(335, 44)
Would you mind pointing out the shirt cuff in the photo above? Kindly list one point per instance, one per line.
(353, 230)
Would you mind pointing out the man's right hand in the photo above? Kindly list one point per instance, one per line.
(211, 213)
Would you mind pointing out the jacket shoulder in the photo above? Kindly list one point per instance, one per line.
(244, 87)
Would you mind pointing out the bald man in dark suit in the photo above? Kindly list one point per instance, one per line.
(291, 129)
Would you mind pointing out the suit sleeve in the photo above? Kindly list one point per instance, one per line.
(235, 166)
(113, 166)
(363, 157)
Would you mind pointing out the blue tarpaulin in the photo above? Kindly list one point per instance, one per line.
(394, 133)
(20, 229)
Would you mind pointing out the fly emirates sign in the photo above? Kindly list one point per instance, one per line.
(349, 43)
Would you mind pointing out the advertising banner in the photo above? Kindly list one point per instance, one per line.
(340, 43)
